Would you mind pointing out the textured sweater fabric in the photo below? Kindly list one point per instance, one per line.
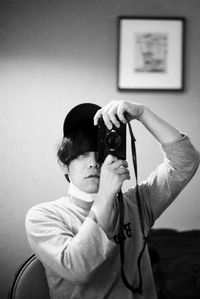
(80, 259)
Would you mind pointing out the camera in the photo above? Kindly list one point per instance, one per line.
(111, 141)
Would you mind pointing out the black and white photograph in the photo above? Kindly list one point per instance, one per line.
(100, 149)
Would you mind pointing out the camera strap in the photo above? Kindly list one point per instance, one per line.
(121, 222)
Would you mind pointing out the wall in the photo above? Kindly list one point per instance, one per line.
(54, 55)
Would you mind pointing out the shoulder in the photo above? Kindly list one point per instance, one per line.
(44, 210)
(41, 218)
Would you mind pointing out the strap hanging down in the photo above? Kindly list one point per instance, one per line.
(121, 223)
(134, 158)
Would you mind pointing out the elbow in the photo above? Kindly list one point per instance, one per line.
(78, 272)
(80, 278)
(195, 163)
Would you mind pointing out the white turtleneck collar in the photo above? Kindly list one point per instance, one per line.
(77, 193)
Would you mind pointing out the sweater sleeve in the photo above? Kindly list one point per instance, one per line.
(180, 163)
(73, 256)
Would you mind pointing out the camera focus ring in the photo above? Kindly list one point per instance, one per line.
(113, 140)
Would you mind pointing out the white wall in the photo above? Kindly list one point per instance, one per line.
(54, 55)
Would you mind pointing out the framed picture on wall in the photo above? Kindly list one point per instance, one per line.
(151, 53)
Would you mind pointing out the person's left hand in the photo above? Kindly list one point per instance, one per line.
(117, 111)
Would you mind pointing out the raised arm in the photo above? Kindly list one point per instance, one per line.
(164, 133)
(160, 129)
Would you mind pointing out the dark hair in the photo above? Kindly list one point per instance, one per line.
(82, 139)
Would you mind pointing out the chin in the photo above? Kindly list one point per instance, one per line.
(92, 186)
(92, 189)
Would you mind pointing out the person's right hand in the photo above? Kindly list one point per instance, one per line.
(113, 173)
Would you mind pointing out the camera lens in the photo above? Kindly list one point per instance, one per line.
(113, 140)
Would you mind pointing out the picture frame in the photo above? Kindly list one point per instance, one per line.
(151, 53)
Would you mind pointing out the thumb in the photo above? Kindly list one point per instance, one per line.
(110, 159)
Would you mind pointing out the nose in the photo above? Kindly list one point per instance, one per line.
(92, 163)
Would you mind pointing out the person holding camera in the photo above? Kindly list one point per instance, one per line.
(78, 237)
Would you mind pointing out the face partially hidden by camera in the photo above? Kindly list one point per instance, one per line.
(77, 156)
(83, 172)
(83, 169)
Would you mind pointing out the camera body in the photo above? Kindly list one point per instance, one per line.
(111, 141)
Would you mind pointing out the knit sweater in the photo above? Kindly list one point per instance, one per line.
(80, 259)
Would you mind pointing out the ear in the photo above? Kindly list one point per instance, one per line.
(63, 167)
